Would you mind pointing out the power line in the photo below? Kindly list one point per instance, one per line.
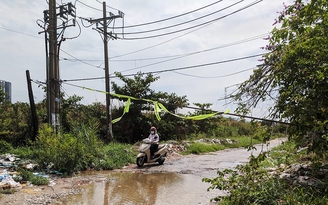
(81, 60)
(220, 76)
(173, 17)
(155, 45)
(178, 55)
(26, 34)
(202, 25)
(197, 52)
(179, 24)
(175, 69)
(89, 6)
(206, 64)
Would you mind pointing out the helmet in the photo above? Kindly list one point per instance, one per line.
(153, 128)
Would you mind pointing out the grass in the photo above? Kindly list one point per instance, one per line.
(200, 147)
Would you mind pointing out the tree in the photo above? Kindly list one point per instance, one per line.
(205, 126)
(294, 71)
(136, 123)
(2, 95)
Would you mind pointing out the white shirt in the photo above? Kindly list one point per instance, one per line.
(154, 138)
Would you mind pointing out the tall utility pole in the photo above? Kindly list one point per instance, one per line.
(52, 60)
(104, 22)
(108, 109)
(53, 72)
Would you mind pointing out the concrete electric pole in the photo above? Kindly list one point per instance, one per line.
(104, 22)
(53, 78)
(52, 60)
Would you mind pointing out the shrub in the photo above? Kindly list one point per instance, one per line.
(34, 179)
(5, 147)
(80, 150)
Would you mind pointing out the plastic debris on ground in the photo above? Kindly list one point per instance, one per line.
(10, 163)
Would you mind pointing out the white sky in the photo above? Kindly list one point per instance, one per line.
(22, 48)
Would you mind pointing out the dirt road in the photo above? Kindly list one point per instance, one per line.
(179, 178)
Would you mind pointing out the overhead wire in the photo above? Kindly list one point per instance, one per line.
(179, 24)
(220, 76)
(202, 25)
(178, 55)
(159, 44)
(197, 52)
(89, 6)
(173, 17)
(80, 60)
(174, 69)
(20, 32)
(108, 6)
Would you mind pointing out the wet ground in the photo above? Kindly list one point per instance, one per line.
(178, 181)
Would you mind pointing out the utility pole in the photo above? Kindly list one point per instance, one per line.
(52, 60)
(104, 22)
(53, 79)
(108, 108)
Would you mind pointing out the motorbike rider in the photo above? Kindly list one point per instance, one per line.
(154, 137)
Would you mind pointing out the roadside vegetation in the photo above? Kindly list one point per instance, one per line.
(285, 175)
(293, 74)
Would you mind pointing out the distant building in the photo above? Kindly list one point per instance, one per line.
(6, 87)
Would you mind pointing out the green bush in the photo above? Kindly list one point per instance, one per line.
(25, 175)
(80, 150)
(68, 153)
(5, 147)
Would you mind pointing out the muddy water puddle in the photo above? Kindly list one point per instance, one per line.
(144, 188)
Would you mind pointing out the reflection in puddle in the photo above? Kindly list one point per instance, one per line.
(126, 188)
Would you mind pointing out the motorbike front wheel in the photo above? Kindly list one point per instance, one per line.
(161, 161)
(140, 161)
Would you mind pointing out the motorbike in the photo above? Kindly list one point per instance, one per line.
(144, 153)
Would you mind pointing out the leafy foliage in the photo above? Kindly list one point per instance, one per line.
(25, 175)
(78, 151)
(2, 95)
(15, 123)
(136, 123)
(5, 147)
(253, 184)
(294, 71)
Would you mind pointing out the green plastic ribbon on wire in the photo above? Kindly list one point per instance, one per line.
(126, 110)
(158, 108)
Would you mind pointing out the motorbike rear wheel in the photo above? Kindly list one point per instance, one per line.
(141, 161)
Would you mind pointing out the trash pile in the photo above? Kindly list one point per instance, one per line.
(175, 147)
(303, 174)
(7, 172)
(218, 141)
(9, 176)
